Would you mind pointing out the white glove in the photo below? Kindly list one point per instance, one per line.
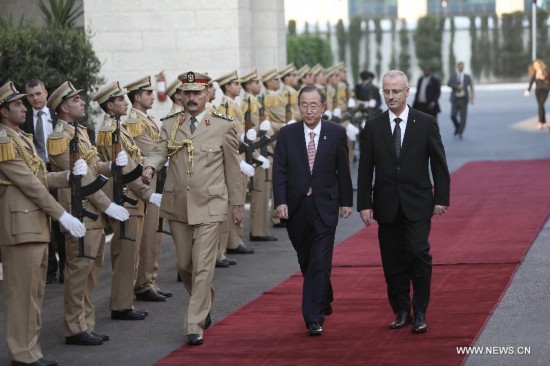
(117, 212)
(526, 93)
(328, 114)
(264, 126)
(265, 162)
(73, 225)
(247, 169)
(371, 103)
(80, 168)
(352, 132)
(363, 124)
(121, 159)
(337, 112)
(155, 199)
(351, 103)
(251, 134)
(290, 122)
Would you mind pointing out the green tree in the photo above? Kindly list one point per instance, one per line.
(452, 58)
(513, 56)
(328, 30)
(495, 47)
(354, 42)
(61, 13)
(393, 57)
(378, 38)
(485, 47)
(341, 36)
(474, 46)
(308, 49)
(427, 40)
(367, 44)
(291, 27)
(541, 33)
(404, 55)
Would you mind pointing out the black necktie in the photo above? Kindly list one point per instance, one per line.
(397, 136)
(193, 126)
(39, 137)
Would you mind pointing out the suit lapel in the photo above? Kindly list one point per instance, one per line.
(321, 146)
(298, 138)
(409, 132)
(386, 133)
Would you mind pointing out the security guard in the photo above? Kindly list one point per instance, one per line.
(231, 236)
(259, 197)
(202, 183)
(125, 250)
(146, 134)
(25, 205)
(81, 274)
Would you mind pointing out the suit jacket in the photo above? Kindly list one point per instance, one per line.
(467, 84)
(433, 91)
(403, 181)
(25, 202)
(28, 126)
(202, 193)
(330, 179)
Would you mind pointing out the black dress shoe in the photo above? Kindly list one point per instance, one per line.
(419, 323)
(129, 314)
(195, 339)
(241, 249)
(179, 278)
(144, 312)
(328, 310)
(61, 277)
(165, 293)
(208, 321)
(280, 225)
(231, 262)
(151, 296)
(402, 318)
(103, 336)
(263, 238)
(221, 264)
(39, 362)
(314, 329)
(84, 339)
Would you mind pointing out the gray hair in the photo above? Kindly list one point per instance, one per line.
(397, 74)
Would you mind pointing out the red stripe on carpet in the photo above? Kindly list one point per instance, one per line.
(496, 213)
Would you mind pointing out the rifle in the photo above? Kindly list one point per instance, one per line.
(263, 148)
(335, 98)
(79, 193)
(161, 178)
(249, 158)
(288, 111)
(261, 112)
(120, 179)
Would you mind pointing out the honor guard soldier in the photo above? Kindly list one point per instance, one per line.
(146, 134)
(304, 76)
(290, 81)
(175, 93)
(231, 236)
(319, 77)
(345, 102)
(259, 196)
(82, 272)
(26, 206)
(203, 182)
(127, 236)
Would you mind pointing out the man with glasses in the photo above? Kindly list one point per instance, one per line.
(311, 187)
(398, 149)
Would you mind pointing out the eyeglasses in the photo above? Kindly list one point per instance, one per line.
(395, 92)
(313, 106)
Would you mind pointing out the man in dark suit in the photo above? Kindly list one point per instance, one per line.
(39, 118)
(462, 93)
(427, 94)
(311, 184)
(399, 148)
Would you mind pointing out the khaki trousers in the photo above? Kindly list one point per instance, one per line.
(196, 259)
(259, 203)
(236, 231)
(124, 258)
(81, 278)
(148, 250)
(23, 292)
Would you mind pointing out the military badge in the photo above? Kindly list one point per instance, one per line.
(191, 77)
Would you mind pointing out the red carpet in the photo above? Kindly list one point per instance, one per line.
(495, 215)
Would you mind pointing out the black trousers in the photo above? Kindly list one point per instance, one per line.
(459, 106)
(542, 95)
(406, 260)
(57, 243)
(314, 244)
(425, 107)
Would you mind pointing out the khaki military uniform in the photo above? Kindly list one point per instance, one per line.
(25, 204)
(175, 109)
(124, 253)
(81, 274)
(146, 134)
(202, 183)
(231, 235)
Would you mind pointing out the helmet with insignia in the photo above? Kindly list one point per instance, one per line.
(140, 84)
(64, 91)
(8, 93)
(194, 80)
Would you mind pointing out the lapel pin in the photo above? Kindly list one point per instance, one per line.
(182, 120)
(324, 137)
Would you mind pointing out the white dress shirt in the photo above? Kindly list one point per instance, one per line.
(317, 131)
(403, 124)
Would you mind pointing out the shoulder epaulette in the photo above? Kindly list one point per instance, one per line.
(134, 126)
(172, 115)
(7, 151)
(222, 116)
(57, 141)
(105, 133)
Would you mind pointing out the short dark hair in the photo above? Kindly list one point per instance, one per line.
(313, 88)
(34, 82)
(365, 75)
(132, 94)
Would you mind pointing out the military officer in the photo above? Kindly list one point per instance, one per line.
(146, 134)
(81, 273)
(259, 197)
(25, 205)
(174, 92)
(231, 236)
(202, 182)
(124, 249)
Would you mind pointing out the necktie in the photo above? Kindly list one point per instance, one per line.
(311, 150)
(39, 136)
(193, 124)
(397, 136)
